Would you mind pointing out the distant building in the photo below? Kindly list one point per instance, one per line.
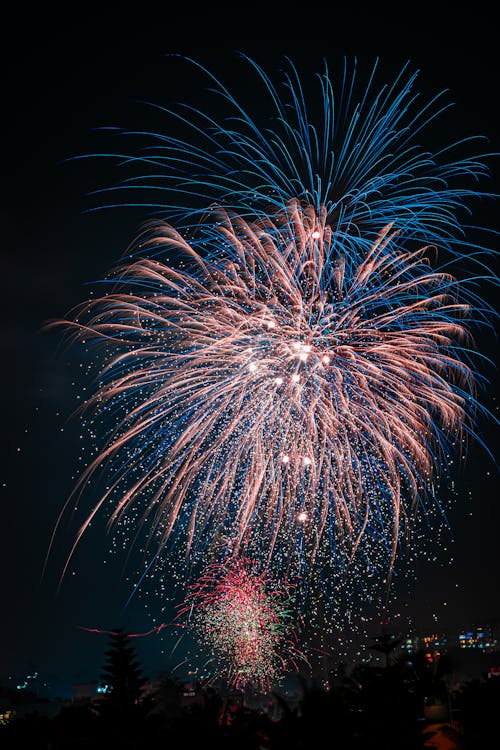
(481, 638)
(484, 638)
(432, 644)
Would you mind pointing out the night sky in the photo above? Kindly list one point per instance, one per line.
(60, 87)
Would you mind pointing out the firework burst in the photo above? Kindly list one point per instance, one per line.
(273, 396)
(245, 622)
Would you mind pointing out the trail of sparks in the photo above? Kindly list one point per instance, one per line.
(155, 630)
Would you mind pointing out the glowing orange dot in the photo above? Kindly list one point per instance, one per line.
(302, 516)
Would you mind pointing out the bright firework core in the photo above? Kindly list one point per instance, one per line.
(267, 376)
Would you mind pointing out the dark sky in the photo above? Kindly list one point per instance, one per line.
(60, 85)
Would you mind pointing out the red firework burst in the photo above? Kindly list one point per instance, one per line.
(245, 621)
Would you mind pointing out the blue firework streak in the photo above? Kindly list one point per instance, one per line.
(363, 162)
(287, 377)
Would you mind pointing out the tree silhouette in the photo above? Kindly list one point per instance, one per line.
(122, 673)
